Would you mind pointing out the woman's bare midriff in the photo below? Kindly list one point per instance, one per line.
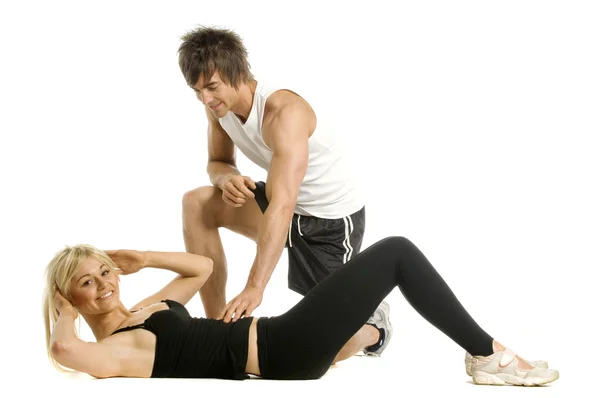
(252, 361)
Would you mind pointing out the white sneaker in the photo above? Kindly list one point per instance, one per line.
(535, 364)
(501, 368)
(380, 320)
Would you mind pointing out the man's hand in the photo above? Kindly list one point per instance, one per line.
(127, 261)
(235, 190)
(63, 306)
(243, 305)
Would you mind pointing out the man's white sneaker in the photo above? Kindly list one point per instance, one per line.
(381, 321)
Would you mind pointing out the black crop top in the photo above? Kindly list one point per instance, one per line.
(188, 347)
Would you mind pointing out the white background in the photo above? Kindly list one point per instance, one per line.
(472, 126)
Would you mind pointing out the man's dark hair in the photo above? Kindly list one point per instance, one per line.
(206, 50)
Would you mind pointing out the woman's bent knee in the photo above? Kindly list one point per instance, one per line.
(396, 241)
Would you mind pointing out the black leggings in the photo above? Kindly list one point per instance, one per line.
(303, 342)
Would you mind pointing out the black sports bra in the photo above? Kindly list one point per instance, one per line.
(174, 306)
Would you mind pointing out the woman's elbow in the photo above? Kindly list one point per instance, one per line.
(63, 353)
(207, 266)
(59, 350)
(205, 270)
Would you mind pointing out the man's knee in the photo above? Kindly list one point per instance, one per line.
(202, 204)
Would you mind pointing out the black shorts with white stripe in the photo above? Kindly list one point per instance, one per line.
(317, 246)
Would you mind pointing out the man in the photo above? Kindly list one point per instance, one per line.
(309, 202)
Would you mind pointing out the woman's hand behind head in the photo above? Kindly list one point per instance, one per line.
(127, 261)
(63, 306)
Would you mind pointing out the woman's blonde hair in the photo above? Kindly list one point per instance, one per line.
(59, 273)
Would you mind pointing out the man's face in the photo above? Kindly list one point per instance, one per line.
(217, 95)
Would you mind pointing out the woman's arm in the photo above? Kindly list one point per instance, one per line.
(95, 359)
(193, 270)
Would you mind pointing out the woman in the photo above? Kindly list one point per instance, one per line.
(158, 338)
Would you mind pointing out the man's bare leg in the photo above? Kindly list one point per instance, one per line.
(204, 212)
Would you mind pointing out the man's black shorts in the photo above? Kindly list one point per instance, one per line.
(317, 246)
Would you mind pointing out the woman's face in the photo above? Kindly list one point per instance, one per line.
(95, 288)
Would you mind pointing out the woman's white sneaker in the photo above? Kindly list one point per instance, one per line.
(501, 368)
(469, 359)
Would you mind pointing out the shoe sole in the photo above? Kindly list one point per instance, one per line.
(502, 379)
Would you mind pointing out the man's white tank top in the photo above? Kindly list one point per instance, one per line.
(328, 189)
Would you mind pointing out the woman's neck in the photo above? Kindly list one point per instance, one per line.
(103, 325)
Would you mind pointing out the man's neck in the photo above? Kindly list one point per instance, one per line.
(245, 99)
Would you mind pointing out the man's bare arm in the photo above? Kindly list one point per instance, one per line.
(221, 153)
(288, 130)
